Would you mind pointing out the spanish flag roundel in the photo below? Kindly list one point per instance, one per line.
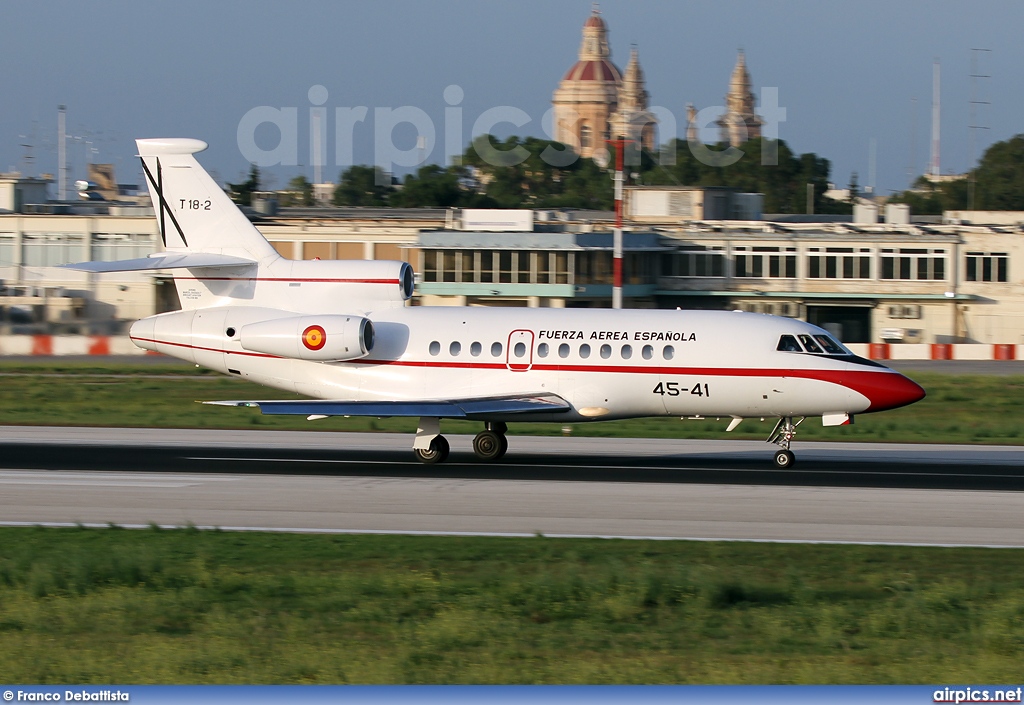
(314, 337)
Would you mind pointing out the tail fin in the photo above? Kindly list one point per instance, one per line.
(194, 213)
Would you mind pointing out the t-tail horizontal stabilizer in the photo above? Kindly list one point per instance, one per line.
(164, 260)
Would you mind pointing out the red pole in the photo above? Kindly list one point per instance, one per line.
(620, 148)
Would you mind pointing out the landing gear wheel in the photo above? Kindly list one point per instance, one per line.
(489, 445)
(784, 459)
(436, 453)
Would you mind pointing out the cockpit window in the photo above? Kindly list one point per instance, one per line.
(831, 346)
(811, 346)
(817, 344)
(787, 343)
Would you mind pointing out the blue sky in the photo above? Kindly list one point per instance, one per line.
(846, 71)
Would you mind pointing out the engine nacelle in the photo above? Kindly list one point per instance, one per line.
(322, 338)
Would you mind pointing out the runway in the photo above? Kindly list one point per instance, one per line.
(631, 488)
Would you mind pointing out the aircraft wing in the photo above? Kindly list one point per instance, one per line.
(164, 260)
(468, 408)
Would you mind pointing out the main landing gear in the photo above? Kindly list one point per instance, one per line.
(491, 444)
(431, 447)
(782, 436)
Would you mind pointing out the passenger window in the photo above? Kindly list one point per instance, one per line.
(627, 352)
(455, 348)
(787, 343)
(584, 351)
(495, 349)
(831, 347)
(520, 349)
(648, 352)
(542, 350)
(563, 350)
(606, 351)
(809, 343)
(475, 349)
(668, 352)
(435, 347)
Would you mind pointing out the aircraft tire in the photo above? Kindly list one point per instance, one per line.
(436, 453)
(784, 459)
(489, 445)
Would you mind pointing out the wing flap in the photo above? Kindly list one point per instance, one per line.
(445, 409)
(164, 260)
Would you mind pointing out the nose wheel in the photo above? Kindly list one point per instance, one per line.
(491, 444)
(784, 458)
(782, 436)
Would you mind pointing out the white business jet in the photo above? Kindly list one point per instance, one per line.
(341, 333)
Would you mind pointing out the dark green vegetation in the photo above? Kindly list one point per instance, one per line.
(998, 184)
(534, 173)
(102, 606)
(958, 409)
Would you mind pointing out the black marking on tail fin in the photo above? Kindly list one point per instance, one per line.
(157, 186)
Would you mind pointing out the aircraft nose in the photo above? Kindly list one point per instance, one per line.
(891, 390)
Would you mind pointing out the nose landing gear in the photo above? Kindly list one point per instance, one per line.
(782, 436)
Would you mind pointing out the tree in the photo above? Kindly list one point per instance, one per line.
(361, 185)
(301, 191)
(1000, 176)
(242, 193)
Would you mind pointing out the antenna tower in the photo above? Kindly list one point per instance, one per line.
(974, 126)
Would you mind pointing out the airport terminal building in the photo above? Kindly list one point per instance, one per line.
(896, 282)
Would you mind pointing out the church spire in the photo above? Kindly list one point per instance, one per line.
(633, 95)
(740, 121)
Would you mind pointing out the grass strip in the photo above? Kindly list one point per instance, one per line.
(187, 606)
(958, 409)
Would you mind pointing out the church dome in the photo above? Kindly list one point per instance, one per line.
(593, 70)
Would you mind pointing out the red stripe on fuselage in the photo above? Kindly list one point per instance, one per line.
(213, 350)
(286, 279)
(884, 388)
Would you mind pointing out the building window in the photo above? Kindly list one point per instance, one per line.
(839, 263)
(523, 269)
(910, 263)
(487, 266)
(543, 268)
(765, 262)
(51, 249)
(467, 266)
(694, 261)
(505, 267)
(561, 273)
(594, 267)
(585, 137)
(110, 247)
(448, 266)
(7, 249)
(430, 265)
(988, 267)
